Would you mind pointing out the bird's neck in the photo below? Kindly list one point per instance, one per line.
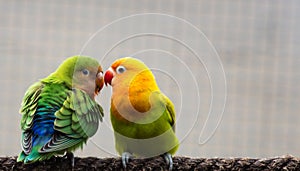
(135, 97)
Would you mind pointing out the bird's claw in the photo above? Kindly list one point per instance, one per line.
(169, 160)
(70, 156)
(125, 159)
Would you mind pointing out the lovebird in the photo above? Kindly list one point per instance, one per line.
(142, 117)
(59, 113)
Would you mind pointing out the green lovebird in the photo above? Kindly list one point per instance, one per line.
(143, 118)
(59, 113)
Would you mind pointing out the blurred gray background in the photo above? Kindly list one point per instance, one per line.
(258, 46)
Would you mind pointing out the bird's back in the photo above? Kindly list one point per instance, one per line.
(51, 100)
(38, 109)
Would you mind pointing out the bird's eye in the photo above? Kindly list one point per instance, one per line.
(120, 69)
(85, 72)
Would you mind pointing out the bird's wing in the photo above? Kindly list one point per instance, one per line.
(170, 111)
(165, 102)
(75, 121)
(28, 110)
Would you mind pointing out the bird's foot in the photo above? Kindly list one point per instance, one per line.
(125, 158)
(13, 167)
(70, 156)
(169, 160)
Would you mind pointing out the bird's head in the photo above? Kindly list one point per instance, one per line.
(82, 72)
(125, 70)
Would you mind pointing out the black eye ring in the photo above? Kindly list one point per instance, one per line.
(120, 69)
(85, 72)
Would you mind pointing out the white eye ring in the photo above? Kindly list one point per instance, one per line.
(120, 69)
(85, 72)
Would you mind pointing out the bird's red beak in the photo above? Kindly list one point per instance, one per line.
(108, 76)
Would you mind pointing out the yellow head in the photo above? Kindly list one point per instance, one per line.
(130, 78)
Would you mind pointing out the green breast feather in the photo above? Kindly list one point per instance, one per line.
(148, 139)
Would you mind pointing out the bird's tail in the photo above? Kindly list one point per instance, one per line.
(32, 157)
(21, 157)
(34, 154)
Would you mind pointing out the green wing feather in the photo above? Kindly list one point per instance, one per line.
(28, 109)
(167, 106)
(170, 111)
(76, 120)
(29, 105)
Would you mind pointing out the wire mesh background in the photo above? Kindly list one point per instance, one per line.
(257, 41)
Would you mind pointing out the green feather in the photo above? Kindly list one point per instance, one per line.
(77, 124)
(64, 112)
(140, 138)
(75, 118)
(71, 126)
(62, 123)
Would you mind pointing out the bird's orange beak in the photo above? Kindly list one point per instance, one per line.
(99, 80)
(108, 76)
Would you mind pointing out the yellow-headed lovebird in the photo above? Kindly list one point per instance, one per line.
(143, 118)
(59, 113)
